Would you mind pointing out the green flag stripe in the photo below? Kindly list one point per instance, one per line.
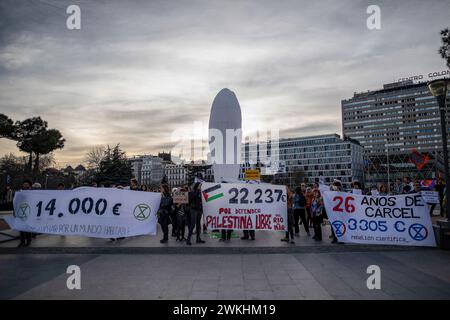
(219, 195)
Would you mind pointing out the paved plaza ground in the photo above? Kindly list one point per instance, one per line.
(266, 242)
(262, 269)
(267, 268)
(417, 274)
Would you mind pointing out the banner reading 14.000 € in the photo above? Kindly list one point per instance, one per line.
(91, 212)
(395, 220)
(241, 206)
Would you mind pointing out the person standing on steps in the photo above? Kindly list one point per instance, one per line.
(165, 208)
(134, 185)
(226, 235)
(299, 207)
(317, 214)
(290, 216)
(195, 214)
(248, 234)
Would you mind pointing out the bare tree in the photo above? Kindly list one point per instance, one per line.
(94, 157)
(47, 161)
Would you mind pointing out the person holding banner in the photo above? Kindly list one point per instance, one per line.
(248, 234)
(226, 235)
(165, 208)
(290, 212)
(336, 186)
(382, 190)
(407, 185)
(317, 214)
(356, 187)
(134, 185)
(398, 187)
(25, 237)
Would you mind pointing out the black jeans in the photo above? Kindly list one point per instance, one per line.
(226, 234)
(434, 206)
(249, 234)
(317, 224)
(195, 221)
(290, 230)
(181, 226)
(173, 219)
(164, 220)
(300, 214)
(25, 237)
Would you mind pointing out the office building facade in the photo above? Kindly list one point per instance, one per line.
(152, 171)
(393, 124)
(311, 159)
(176, 174)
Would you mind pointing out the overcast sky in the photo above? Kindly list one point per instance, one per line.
(138, 70)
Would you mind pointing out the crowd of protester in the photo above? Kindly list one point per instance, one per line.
(305, 206)
(407, 186)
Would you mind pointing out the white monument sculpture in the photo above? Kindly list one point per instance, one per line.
(225, 134)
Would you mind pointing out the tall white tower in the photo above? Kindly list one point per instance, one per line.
(225, 135)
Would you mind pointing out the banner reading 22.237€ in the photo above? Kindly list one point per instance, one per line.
(241, 206)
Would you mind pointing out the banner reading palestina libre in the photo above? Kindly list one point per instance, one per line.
(389, 220)
(240, 206)
(91, 212)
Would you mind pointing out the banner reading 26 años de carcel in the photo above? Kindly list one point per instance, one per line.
(394, 220)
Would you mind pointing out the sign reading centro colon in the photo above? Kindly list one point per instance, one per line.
(241, 206)
(393, 220)
(430, 75)
(91, 212)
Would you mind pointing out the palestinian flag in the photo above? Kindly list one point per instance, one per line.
(212, 193)
(427, 184)
(419, 159)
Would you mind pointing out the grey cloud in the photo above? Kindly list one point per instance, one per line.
(316, 128)
(138, 70)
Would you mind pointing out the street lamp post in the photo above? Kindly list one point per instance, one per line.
(388, 169)
(439, 89)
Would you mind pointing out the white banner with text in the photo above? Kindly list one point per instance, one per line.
(240, 206)
(392, 220)
(91, 212)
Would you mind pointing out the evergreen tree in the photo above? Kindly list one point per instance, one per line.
(114, 168)
(444, 50)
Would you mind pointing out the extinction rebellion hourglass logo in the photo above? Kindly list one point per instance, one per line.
(142, 211)
(24, 211)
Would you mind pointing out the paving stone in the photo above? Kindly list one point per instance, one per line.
(259, 295)
(205, 285)
(274, 276)
(256, 284)
(203, 295)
